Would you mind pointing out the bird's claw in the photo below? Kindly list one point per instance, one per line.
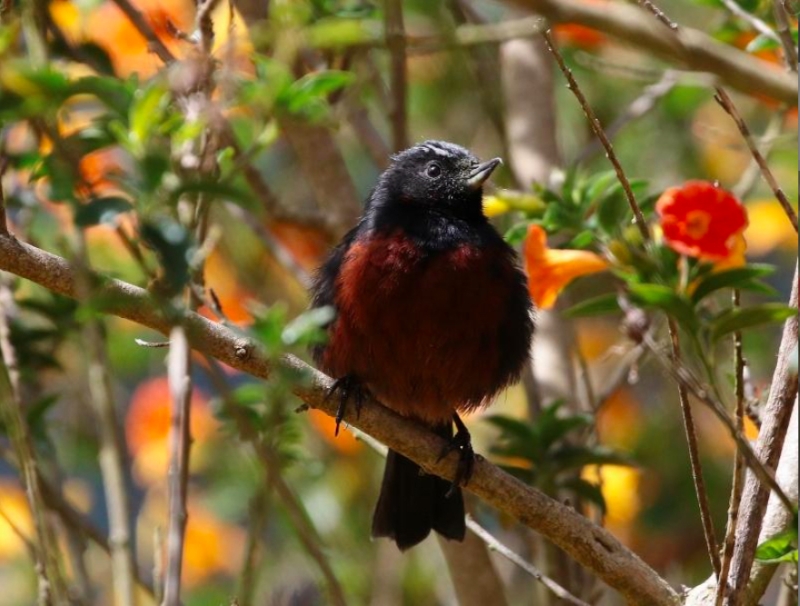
(348, 387)
(461, 442)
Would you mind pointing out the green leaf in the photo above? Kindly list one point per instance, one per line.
(582, 240)
(516, 234)
(780, 548)
(664, 298)
(308, 328)
(116, 94)
(613, 211)
(313, 88)
(599, 183)
(213, 189)
(174, 247)
(596, 306)
(731, 278)
(570, 456)
(521, 439)
(586, 490)
(101, 210)
(732, 320)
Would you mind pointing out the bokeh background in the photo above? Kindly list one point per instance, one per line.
(241, 541)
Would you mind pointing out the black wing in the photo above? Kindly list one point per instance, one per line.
(323, 286)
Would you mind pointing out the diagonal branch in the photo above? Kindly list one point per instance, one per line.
(690, 48)
(592, 546)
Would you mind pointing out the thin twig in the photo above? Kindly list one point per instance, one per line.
(140, 22)
(738, 463)
(495, 545)
(491, 541)
(111, 457)
(727, 104)
(306, 531)
(757, 24)
(694, 455)
(785, 34)
(3, 217)
(180, 386)
(19, 533)
(750, 175)
(639, 107)
(70, 517)
(685, 377)
(398, 72)
(158, 565)
(601, 135)
(777, 414)
(276, 249)
(52, 585)
(247, 576)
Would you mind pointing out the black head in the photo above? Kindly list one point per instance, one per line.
(437, 175)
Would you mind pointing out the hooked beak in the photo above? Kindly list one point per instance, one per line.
(478, 175)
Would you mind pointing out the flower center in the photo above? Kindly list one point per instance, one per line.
(697, 222)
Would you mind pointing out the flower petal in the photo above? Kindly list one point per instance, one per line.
(550, 270)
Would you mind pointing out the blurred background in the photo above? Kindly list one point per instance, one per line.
(303, 172)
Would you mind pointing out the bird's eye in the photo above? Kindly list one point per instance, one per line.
(433, 170)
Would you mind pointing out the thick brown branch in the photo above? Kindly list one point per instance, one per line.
(689, 47)
(590, 545)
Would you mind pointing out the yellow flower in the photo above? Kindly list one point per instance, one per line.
(550, 270)
(494, 205)
(620, 486)
(769, 228)
(15, 507)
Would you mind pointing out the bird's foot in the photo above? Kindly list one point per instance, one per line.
(348, 387)
(462, 442)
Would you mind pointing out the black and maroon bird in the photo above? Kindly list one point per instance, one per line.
(433, 318)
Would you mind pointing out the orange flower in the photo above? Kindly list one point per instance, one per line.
(701, 220)
(147, 429)
(550, 270)
(573, 34)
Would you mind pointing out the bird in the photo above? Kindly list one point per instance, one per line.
(432, 317)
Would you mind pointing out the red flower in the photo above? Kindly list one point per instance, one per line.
(701, 220)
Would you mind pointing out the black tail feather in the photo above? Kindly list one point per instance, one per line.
(412, 503)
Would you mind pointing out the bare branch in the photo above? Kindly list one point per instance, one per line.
(180, 386)
(601, 135)
(727, 104)
(514, 557)
(738, 464)
(639, 107)
(782, 397)
(398, 72)
(694, 455)
(785, 35)
(587, 543)
(139, 21)
(757, 24)
(52, 585)
(690, 48)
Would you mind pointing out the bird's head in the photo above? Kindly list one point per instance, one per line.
(437, 175)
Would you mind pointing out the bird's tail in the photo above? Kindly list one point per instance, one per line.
(412, 503)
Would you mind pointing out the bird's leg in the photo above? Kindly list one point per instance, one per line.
(348, 386)
(462, 442)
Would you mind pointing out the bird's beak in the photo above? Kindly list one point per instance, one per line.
(478, 175)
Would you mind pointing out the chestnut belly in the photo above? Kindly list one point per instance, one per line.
(425, 334)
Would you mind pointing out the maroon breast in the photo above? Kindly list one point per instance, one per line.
(422, 331)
